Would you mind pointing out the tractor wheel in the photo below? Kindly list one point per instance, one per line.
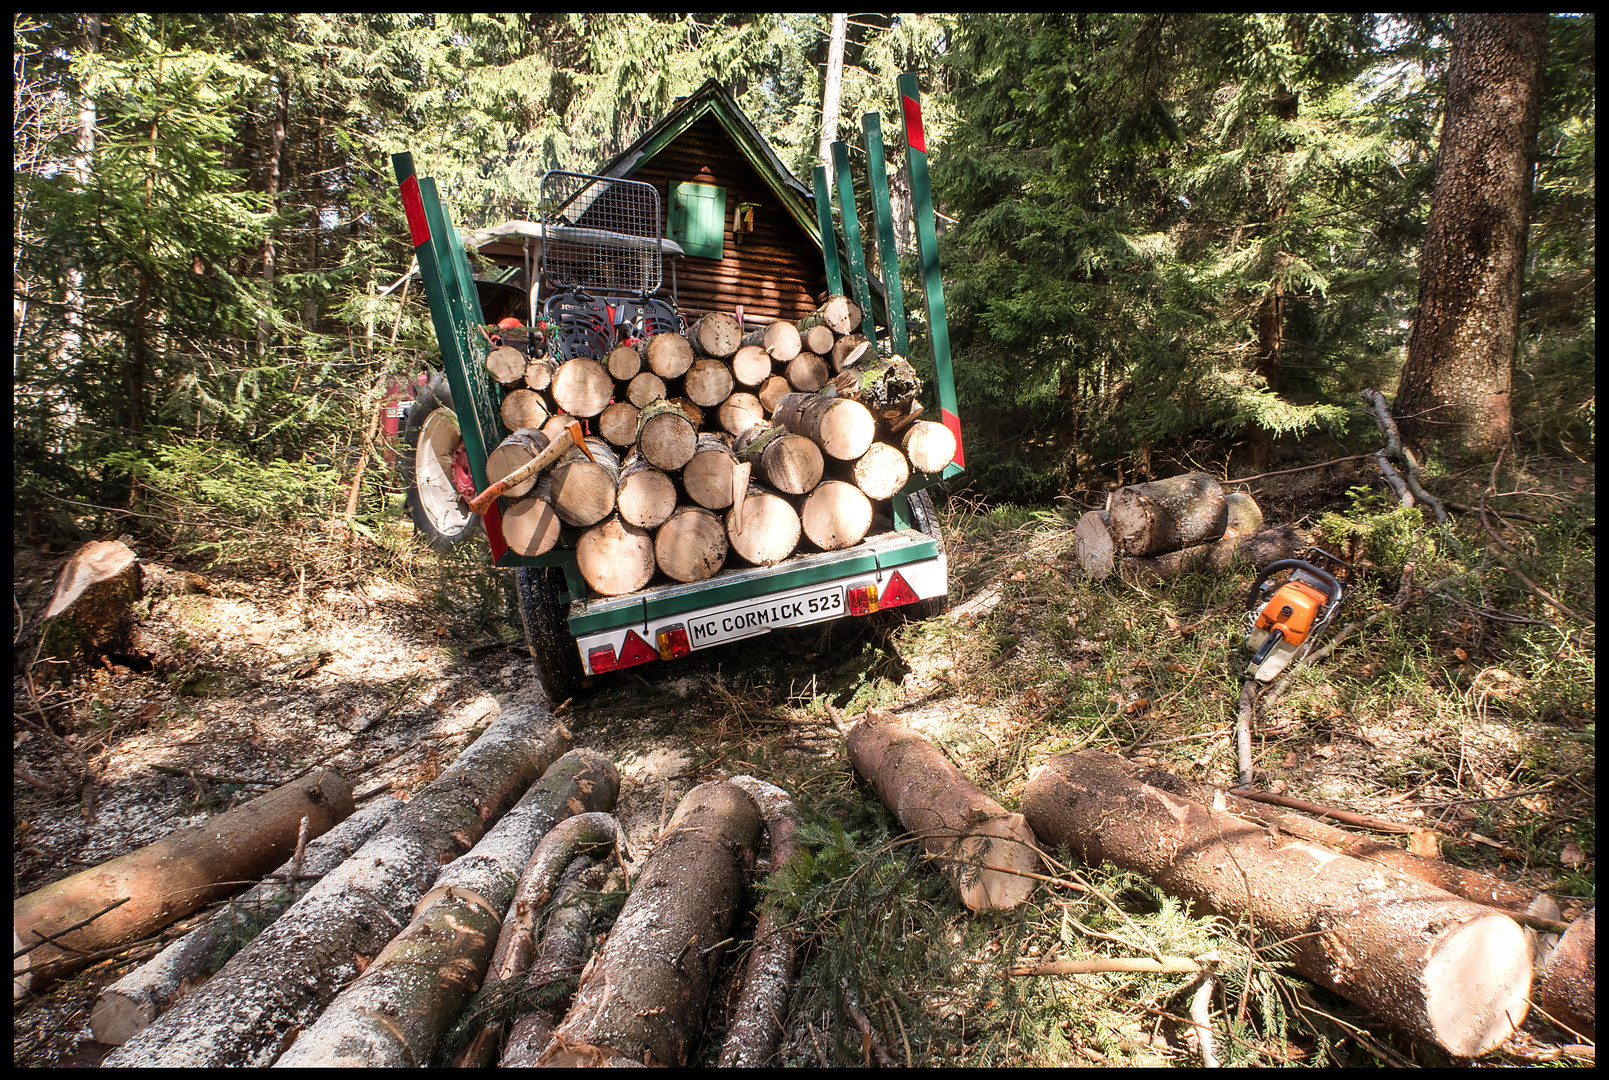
(547, 633)
(926, 520)
(431, 438)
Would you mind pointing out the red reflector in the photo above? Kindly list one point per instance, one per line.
(898, 593)
(673, 643)
(862, 600)
(414, 208)
(602, 660)
(636, 651)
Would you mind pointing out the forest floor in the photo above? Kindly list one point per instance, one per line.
(384, 662)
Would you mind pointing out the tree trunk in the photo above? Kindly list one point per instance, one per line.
(643, 997)
(276, 153)
(881, 472)
(134, 1001)
(708, 382)
(751, 365)
(582, 387)
(716, 334)
(806, 373)
(530, 526)
(1166, 515)
(1567, 984)
(615, 558)
(740, 412)
(707, 476)
(669, 354)
(769, 529)
(1431, 964)
(832, 91)
(618, 424)
(646, 497)
(145, 890)
(780, 340)
(92, 608)
(397, 1012)
(836, 515)
(984, 850)
(582, 489)
(1092, 545)
(523, 409)
(790, 463)
(665, 435)
(645, 388)
(842, 428)
(1456, 383)
(520, 448)
(623, 363)
(283, 979)
(929, 446)
(691, 546)
(507, 365)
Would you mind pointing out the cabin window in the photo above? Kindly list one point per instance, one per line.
(698, 219)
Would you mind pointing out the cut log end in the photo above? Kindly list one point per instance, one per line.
(1003, 851)
(1477, 985)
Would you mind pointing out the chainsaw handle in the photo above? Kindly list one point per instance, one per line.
(1292, 564)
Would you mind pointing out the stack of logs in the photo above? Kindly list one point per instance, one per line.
(1162, 529)
(712, 443)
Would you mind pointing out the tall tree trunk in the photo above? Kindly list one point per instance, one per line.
(276, 149)
(73, 295)
(1455, 388)
(832, 89)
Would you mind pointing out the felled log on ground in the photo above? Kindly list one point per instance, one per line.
(134, 1001)
(282, 980)
(643, 997)
(1093, 546)
(1257, 549)
(1166, 515)
(984, 850)
(843, 429)
(402, 1004)
(510, 980)
(615, 557)
(145, 890)
(92, 608)
(1566, 986)
(1431, 964)
(755, 1030)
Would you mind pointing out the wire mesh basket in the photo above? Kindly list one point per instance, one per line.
(601, 234)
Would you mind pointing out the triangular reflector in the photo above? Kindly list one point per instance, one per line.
(898, 592)
(636, 651)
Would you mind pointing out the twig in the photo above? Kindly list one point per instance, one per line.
(1302, 468)
(1168, 965)
(301, 849)
(1362, 821)
(1543, 594)
(1201, 1019)
(192, 774)
(884, 1058)
(1213, 734)
(1486, 799)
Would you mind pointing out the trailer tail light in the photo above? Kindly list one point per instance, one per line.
(897, 593)
(861, 600)
(673, 642)
(635, 651)
(602, 659)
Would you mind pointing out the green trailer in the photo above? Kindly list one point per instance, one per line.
(574, 636)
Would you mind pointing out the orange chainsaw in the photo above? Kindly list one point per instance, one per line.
(1283, 621)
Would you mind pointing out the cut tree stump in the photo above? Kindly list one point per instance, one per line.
(1431, 964)
(131, 1003)
(984, 850)
(1566, 986)
(398, 1010)
(281, 981)
(92, 609)
(145, 890)
(1166, 515)
(643, 997)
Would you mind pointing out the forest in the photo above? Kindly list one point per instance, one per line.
(1248, 245)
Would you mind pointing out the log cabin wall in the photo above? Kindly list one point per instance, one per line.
(775, 271)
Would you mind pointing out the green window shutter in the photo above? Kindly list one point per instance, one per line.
(698, 219)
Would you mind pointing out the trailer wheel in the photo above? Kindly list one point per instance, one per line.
(547, 633)
(926, 520)
(431, 437)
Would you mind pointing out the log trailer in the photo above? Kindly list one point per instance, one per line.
(595, 276)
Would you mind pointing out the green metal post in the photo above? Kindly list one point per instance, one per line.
(829, 238)
(927, 247)
(882, 213)
(862, 292)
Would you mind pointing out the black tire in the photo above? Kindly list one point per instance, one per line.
(440, 515)
(547, 633)
(926, 520)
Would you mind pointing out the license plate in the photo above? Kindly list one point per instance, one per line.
(756, 617)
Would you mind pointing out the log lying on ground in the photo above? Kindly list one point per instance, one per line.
(1566, 985)
(645, 495)
(283, 979)
(790, 463)
(615, 557)
(984, 850)
(780, 340)
(691, 545)
(1166, 515)
(755, 1030)
(929, 446)
(131, 1003)
(644, 995)
(92, 608)
(582, 489)
(1257, 549)
(767, 530)
(842, 428)
(668, 355)
(516, 450)
(665, 435)
(530, 526)
(836, 515)
(523, 409)
(1429, 963)
(1093, 546)
(128, 897)
(398, 1010)
(716, 334)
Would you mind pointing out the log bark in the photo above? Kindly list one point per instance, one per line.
(839, 314)
(978, 842)
(615, 558)
(643, 997)
(780, 340)
(751, 365)
(740, 412)
(623, 363)
(644, 389)
(1093, 546)
(842, 428)
(131, 1003)
(881, 472)
(618, 424)
(691, 545)
(665, 435)
(531, 526)
(835, 515)
(716, 334)
(929, 446)
(887, 386)
(1433, 965)
(1221, 555)
(283, 979)
(516, 450)
(668, 354)
(807, 373)
(767, 530)
(708, 382)
(755, 1031)
(582, 489)
(707, 476)
(790, 463)
(1166, 515)
(180, 873)
(1566, 986)
(506, 364)
(397, 1012)
(646, 496)
(582, 387)
(92, 609)
(523, 409)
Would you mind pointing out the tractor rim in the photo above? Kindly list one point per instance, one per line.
(433, 463)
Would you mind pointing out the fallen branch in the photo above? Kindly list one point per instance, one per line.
(1168, 965)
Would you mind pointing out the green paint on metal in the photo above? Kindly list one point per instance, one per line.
(901, 505)
(829, 239)
(882, 213)
(860, 286)
(927, 246)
